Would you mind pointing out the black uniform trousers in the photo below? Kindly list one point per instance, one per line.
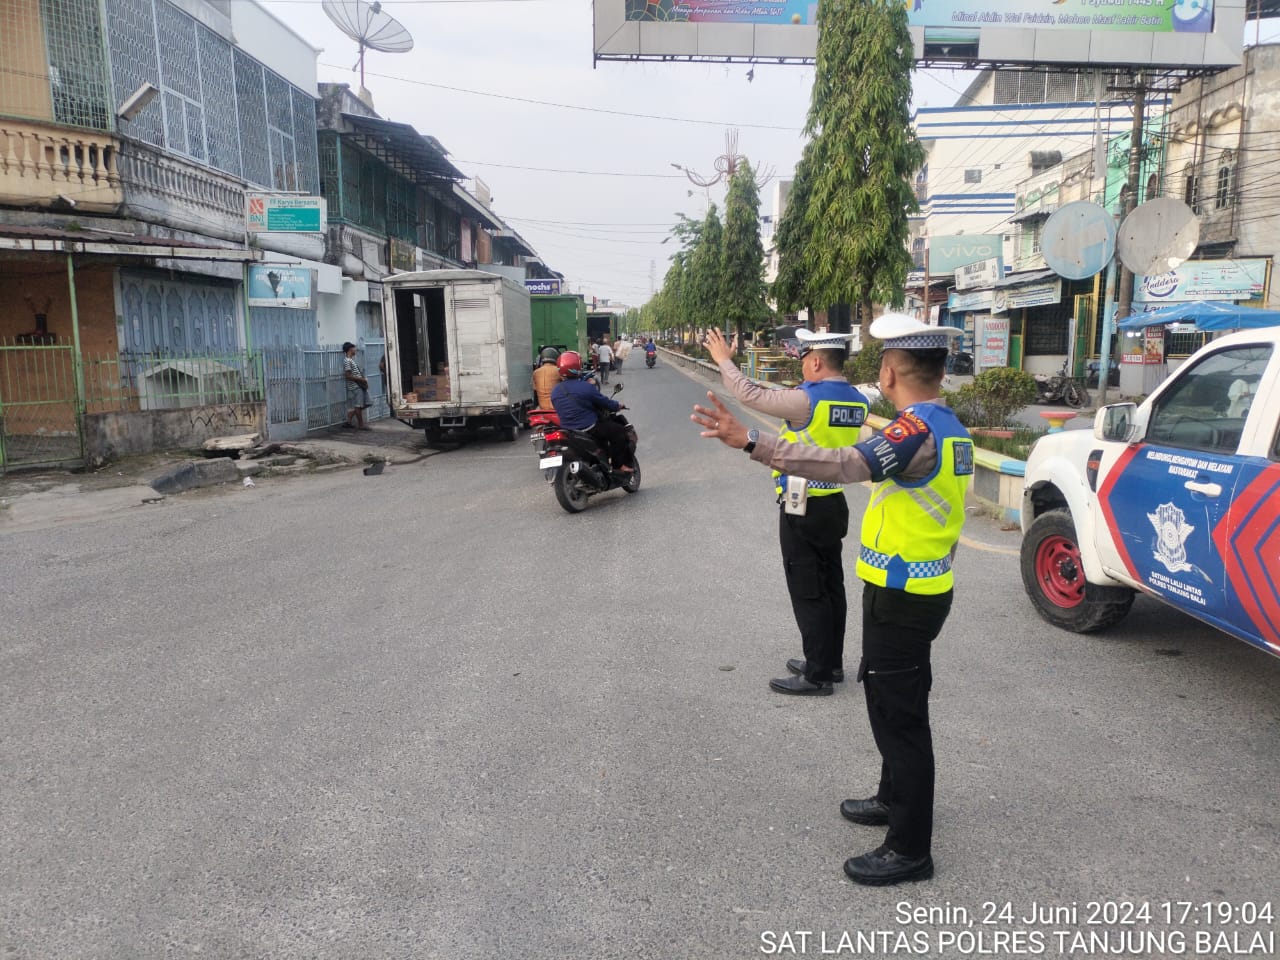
(812, 555)
(898, 629)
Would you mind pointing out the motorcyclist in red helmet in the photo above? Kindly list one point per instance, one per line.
(580, 405)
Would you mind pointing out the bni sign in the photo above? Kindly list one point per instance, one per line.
(542, 286)
(268, 214)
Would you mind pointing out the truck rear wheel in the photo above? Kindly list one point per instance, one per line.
(1053, 576)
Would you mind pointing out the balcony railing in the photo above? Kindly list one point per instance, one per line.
(167, 189)
(43, 165)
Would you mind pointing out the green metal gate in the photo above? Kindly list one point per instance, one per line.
(40, 405)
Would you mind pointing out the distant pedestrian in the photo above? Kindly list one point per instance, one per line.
(604, 360)
(357, 387)
(620, 353)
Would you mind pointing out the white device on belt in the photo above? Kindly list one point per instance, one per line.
(796, 496)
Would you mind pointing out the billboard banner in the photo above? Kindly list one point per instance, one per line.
(271, 285)
(1203, 280)
(1180, 16)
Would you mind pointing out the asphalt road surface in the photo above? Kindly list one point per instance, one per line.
(431, 715)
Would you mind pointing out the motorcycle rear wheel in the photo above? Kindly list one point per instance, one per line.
(572, 497)
(633, 478)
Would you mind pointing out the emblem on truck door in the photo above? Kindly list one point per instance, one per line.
(1172, 531)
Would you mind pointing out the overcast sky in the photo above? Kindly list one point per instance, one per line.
(601, 227)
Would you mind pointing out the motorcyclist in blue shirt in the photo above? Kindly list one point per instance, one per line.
(580, 405)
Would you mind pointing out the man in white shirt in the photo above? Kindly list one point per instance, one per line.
(604, 359)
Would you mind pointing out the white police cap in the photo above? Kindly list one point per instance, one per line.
(823, 341)
(900, 332)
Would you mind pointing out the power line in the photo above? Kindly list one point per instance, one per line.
(570, 106)
(583, 173)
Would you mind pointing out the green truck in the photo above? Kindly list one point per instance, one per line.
(560, 321)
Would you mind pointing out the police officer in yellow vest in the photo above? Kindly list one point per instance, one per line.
(920, 467)
(823, 411)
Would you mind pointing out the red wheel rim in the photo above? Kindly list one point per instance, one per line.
(1059, 571)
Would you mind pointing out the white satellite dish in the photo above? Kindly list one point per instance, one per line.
(1158, 236)
(367, 25)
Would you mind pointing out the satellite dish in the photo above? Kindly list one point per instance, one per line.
(367, 25)
(1158, 236)
(1079, 240)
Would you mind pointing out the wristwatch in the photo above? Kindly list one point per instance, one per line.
(753, 437)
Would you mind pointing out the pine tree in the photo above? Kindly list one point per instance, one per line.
(864, 154)
(703, 295)
(791, 287)
(742, 286)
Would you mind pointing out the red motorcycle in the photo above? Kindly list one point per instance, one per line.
(541, 422)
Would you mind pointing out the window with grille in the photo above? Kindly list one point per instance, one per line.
(1191, 191)
(1226, 174)
(218, 105)
(77, 73)
(973, 175)
(1153, 186)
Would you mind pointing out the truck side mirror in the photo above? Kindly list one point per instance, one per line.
(1115, 422)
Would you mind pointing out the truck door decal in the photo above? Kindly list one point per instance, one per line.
(1249, 540)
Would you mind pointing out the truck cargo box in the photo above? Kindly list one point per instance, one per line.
(459, 348)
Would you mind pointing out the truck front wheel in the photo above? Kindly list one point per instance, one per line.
(1053, 575)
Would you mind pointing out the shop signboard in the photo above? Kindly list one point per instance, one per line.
(268, 214)
(404, 256)
(551, 286)
(993, 341)
(275, 285)
(1032, 295)
(1204, 280)
(981, 273)
(975, 300)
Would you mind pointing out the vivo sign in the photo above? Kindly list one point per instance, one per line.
(949, 254)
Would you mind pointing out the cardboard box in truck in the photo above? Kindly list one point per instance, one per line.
(459, 348)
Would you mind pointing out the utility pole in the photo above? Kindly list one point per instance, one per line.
(1130, 200)
(1125, 306)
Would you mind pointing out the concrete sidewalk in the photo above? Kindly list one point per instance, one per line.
(39, 498)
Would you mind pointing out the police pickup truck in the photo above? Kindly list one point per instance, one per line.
(1178, 498)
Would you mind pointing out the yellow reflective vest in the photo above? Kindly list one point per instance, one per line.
(911, 527)
(837, 412)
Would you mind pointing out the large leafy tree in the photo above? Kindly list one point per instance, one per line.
(703, 295)
(864, 153)
(791, 286)
(742, 287)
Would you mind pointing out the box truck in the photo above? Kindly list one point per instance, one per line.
(459, 347)
(560, 321)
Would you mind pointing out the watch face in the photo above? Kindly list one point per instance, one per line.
(753, 436)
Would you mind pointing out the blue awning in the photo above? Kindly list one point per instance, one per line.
(1206, 314)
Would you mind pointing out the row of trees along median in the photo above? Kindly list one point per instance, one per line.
(842, 237)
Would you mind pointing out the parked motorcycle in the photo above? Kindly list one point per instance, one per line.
(960, 364)
(1061, 388)
(577, 466)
